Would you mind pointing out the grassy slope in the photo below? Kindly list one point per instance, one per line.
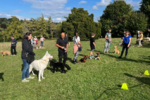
(95, 80)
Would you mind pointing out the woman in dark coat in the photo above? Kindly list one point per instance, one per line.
(26, 48)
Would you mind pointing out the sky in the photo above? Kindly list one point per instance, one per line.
(57, 9)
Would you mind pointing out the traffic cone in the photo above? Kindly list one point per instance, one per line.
(146, 72)
(124, 86)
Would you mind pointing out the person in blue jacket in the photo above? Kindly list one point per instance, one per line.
(126, 44)
(13, 46)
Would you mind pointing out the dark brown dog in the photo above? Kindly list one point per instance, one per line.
(83, 60)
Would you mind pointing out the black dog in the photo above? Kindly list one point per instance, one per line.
(59, 65)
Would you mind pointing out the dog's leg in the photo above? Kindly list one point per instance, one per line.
(39, 76)
(33, 72)
(42, 75)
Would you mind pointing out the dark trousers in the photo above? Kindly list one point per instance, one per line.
(13, 50)
(61, 55)
(125, 46)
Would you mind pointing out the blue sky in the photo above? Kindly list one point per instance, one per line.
(27, 9)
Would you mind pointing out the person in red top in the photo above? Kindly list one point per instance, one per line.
(37, 43)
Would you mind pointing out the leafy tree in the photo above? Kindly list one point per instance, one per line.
(14, 28)
(80, 20)
(136, 21)
(25, 28)
(145, 8)
(41, 25)
(114, 17)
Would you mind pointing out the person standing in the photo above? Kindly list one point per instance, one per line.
(42, 40)
(35, 41)
(26, 48)
(126, 43)
(77, 44)
(108, 41)
(13, 46)
(140, 38)
(92, 45)
(32, 41)
(62, 44)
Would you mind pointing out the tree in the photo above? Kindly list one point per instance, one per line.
(114, 17)
(136, 21)
(41, 25)
(25, 27)
(14, 28)
(83, 23)
(145, 8)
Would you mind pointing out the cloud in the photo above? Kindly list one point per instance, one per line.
(3, 15)
(35, 12)
(47, 4)
(95, 7)
(107, 2)
(56, 13)
(82, 2)
(16, 11)
(133, 3)
(68, 8)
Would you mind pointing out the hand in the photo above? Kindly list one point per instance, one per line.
(62, 47)
(66, 51)
(128, 45)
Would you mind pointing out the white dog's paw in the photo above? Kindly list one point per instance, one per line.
(39, 80)
(43, 77)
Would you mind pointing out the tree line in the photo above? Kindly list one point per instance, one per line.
(118, 16)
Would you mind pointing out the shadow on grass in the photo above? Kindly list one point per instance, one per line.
(51, 67)
(110, 91)
(143, 80)
(127, 59)
(1, 76)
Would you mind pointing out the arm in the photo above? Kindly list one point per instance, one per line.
(129, 42)
(57, 45)
(94, 44)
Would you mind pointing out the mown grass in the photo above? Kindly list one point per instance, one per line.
(94, 80)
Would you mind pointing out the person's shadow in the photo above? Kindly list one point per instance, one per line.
(1, 76)
(143, 80)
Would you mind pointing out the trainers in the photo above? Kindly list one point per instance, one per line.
(24, 80)
(30, 77)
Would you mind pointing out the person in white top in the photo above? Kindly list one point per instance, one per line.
(77, 44)
(35, 41)
(42, 40)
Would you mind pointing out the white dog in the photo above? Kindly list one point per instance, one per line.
(40, 65)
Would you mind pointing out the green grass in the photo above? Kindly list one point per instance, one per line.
(94, 80)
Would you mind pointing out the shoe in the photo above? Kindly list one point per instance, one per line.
(125, 57)
(74, 62)
(120, 57)
(30, 77)
(24, 80)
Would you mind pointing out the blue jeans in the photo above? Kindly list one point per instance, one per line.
(41, 43)
(25, 72)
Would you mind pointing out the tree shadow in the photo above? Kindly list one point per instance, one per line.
(143, 80)
(1, 76)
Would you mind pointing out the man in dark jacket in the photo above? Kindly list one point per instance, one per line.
(62, 44)
(13, 46)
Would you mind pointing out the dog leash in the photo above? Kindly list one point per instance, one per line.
(111, 46)
(37, 56)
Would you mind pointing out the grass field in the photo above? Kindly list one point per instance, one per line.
(94, 80)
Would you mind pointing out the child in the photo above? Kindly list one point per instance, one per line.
(92, 45)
